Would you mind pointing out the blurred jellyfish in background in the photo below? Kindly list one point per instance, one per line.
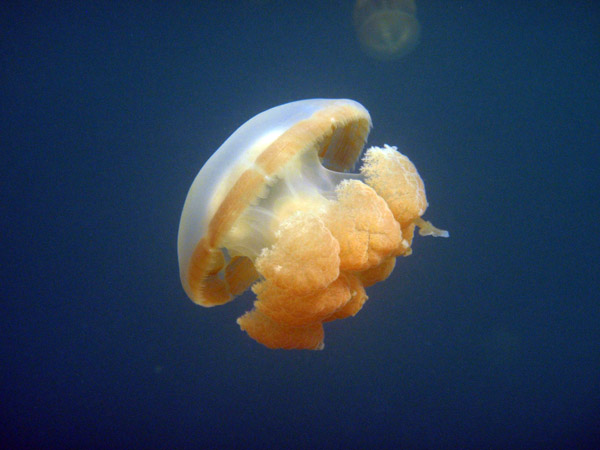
(387, 29)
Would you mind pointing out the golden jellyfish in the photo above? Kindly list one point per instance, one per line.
(387, 29)
(275, 209)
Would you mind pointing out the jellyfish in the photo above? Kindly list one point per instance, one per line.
(277, 209)
(387, 29)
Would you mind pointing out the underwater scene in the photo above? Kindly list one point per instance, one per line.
(300, 225)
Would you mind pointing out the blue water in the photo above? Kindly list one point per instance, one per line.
(489, 339)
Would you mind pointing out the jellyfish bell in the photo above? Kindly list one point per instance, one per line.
(248, 163)
(387, 29)
(276, 209)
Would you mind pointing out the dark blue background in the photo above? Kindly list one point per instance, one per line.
(490, 339)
